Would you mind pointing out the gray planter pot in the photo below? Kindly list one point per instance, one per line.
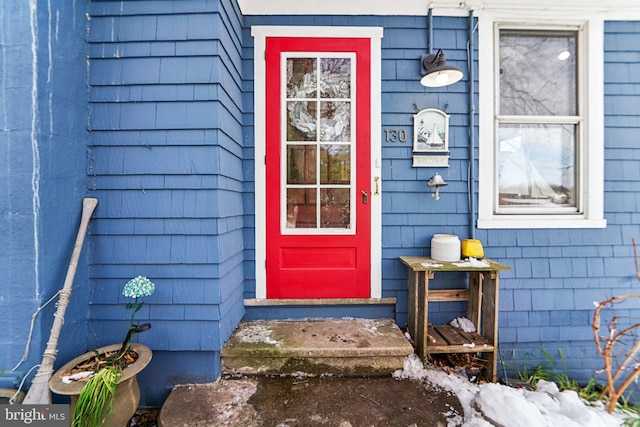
(127, 391)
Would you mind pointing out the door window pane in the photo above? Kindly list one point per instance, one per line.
(335, 209)
(301, 208)
(536, 165)
(301, 78)
(538, 73)
(335, 164)
(335, 121)
(301, 164)
(335, 78)
(301, 121)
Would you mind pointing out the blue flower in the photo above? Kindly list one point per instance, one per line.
(138, 287)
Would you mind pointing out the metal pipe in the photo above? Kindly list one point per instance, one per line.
(39, 392)
(430, 31)
(472, 139)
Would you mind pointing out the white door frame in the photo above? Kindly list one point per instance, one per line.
(260, 34)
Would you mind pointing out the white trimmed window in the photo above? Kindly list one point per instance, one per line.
(541, 124)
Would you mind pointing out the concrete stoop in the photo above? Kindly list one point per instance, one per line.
(338, 347)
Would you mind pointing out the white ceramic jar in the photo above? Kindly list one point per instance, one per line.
(445, 248)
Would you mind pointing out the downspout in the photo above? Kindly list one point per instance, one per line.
(472, 138)
(430, 31)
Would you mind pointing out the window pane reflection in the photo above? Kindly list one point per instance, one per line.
(335, 121)
(301, 164)
(536, 165)
(301, 121)
(335, 209)
(335, 164)
(301, 208)
(301, 78)
(335, 78)
(538, 73)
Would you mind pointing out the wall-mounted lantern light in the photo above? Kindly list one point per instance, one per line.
(438, 72)
(434, 66)
(436, 181)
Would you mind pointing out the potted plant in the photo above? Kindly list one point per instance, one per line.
(102, 383)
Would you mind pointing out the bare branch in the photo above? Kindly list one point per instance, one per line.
(619, 344)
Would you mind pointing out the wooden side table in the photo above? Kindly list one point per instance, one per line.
(482, 310)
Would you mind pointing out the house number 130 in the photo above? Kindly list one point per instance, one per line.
(395, 135)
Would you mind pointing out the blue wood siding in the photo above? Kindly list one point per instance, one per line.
(43, 143)
(409, 215)
(547, 299)
(166, 162)
(169, 153)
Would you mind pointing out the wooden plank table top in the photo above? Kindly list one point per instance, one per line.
(427, 264)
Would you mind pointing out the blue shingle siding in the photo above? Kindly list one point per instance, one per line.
(170, 113)
(42, 173)
(546, 300)
(407, 203)
(566, 271)
(166, 122)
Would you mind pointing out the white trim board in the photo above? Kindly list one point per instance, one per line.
(609, 9)
(260, 34)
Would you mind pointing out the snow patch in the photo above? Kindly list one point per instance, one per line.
(370, 325)
(431, 264)
(493, 404)
(68, 379)
(463, 324)
(473, 263)
(256, 333)
(240, 392)
(491, 400)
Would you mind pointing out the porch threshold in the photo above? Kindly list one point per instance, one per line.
(268, 302)
(307, 308)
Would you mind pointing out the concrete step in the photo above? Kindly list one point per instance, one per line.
(336, 346)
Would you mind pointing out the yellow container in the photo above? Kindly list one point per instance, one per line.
(472, 248)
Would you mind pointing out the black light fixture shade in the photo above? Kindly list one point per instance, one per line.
(438, 72)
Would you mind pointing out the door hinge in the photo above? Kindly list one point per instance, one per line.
(265, 159)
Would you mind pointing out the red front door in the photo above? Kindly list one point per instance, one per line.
(318, 216)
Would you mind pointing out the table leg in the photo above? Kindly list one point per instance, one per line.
(490, 321)
(474, 306)
(412, 325)
(423, 315)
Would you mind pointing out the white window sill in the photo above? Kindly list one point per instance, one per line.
(541, 222)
